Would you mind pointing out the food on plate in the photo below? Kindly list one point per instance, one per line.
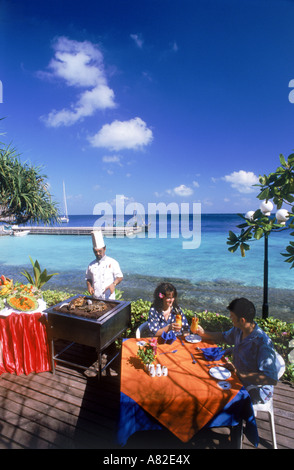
(24, 303)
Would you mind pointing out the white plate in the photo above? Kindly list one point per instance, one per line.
(220, 373)
(193, 338)
(8, 310)
(224, 385)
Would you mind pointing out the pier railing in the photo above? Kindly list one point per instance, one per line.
(110, 231)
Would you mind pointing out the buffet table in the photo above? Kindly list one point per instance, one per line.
(23, 341)
(184, 401)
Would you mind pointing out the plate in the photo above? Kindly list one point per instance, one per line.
(24, 303)
(193, 338)
(224, 385)
(220, 373)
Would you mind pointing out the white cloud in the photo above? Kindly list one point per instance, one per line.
(120, 200)
(138, 40)
(132, 134)
(195, 184)
(175, 47)
(183, 190)
(242, 180)
(111, 159)
(80, 65)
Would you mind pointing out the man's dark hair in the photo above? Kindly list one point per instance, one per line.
(242, 308)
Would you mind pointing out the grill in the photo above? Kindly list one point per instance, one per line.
(99, 327)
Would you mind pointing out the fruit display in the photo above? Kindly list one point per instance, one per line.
(22, 297)
(24, 303)
(5, 285)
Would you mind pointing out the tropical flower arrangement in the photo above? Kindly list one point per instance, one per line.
(148, 352)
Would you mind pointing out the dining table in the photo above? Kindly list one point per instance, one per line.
(186, 400)
(24, 345)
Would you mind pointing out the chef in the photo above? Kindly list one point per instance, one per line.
(104, 273)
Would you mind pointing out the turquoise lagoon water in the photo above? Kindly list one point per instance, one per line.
(207, 277)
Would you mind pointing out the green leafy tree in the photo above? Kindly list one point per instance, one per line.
(24, 195)
(279, 187)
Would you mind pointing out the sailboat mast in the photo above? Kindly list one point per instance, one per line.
(64, 200)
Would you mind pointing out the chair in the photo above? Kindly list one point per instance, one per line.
(268, 406)
(141, 329)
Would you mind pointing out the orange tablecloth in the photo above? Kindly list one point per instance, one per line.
(187, 398)
(25, 347)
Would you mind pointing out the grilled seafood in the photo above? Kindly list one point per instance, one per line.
(76, 303)
(81, 304)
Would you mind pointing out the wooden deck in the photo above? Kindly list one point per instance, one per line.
(66, 410)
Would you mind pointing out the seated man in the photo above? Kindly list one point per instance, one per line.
(254, 357)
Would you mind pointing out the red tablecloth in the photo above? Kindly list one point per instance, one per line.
(24, 344)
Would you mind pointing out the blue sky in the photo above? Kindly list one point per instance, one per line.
(156, 100)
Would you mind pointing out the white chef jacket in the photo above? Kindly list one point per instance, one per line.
(101, 274)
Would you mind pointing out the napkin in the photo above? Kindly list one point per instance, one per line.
(213, 354)
(169, 337)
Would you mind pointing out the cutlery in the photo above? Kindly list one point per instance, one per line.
(169, 352)
(193, 359)
(215, 365)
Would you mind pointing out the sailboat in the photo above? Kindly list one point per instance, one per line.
(64, 218)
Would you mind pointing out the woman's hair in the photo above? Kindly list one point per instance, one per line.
(242, 308)
(160, 292)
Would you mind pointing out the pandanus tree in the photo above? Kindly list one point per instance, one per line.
(24, 194)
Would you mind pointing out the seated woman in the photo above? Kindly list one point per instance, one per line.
(163, 311)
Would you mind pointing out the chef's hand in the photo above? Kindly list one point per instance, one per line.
(90, 289)
(111, 287)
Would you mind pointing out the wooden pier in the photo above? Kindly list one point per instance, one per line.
(107, 231)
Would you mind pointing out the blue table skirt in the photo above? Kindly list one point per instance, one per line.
(133, 418)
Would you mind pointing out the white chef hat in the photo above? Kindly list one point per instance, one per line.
(97, 239)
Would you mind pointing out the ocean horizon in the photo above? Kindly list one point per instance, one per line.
(207, 277)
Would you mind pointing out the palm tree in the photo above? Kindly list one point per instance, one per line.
(24, 195)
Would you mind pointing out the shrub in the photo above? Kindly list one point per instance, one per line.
(279, 331)
(53, 297)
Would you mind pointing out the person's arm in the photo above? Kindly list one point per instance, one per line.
(215, 336)
(165, 328)
(90, 287)
(252, 378)
(170, 327)
(113, 285)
